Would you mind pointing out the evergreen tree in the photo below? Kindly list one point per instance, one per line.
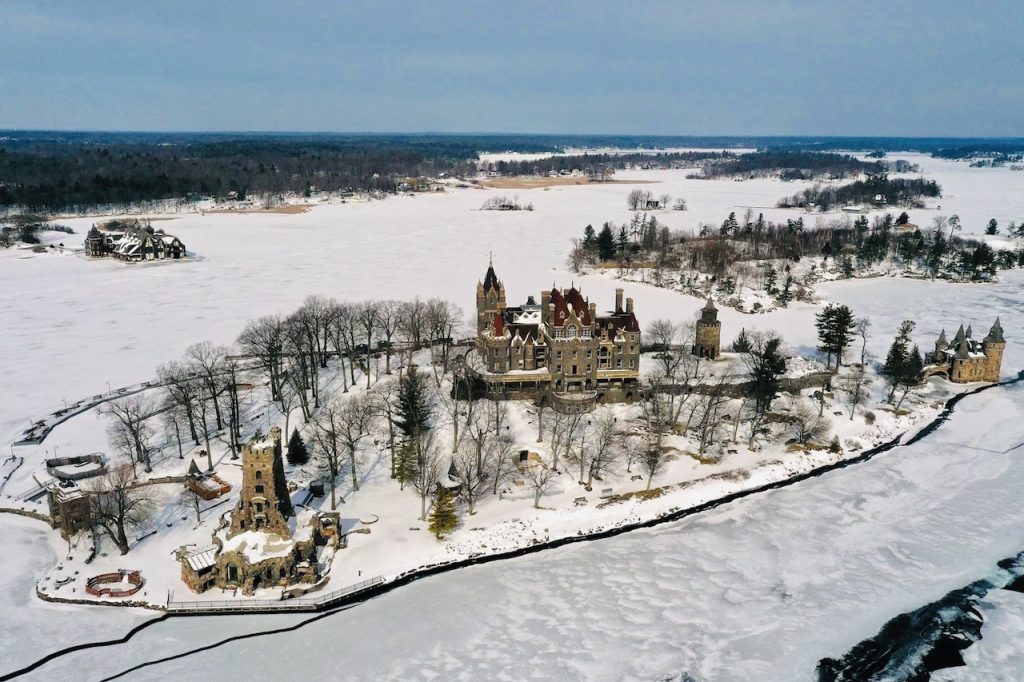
(442, 519)
(786, 295)
(846, 267)
(742, 343)
(729, 226)
(903, 219)
(623, 241)
(406, 464)
(589, 237)
(606, 243)
(769, 281)
(901, 367)
(414, 410)
(835, 326)
(298, 454)
(993, 227)
(766, 365)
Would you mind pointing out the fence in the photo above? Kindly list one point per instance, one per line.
(265, 605)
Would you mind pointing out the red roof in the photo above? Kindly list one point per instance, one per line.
(499, 324)
(580, 306)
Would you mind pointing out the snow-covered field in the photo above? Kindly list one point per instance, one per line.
(760, 589)
(70, 326)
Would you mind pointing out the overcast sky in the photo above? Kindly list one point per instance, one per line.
(686, 68)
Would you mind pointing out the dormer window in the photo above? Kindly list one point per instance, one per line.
(570, 331)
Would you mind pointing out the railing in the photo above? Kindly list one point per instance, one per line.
(262, 605)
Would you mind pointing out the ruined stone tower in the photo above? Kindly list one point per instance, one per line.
(490, 299)
(708, 342)
(265, 504)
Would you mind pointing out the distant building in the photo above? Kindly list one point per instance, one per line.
(133, 241)
(562, 346)
(964, 359)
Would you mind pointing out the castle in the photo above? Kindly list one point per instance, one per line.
(965, 359)
(562, 345)
(265, 543)
(132, 241)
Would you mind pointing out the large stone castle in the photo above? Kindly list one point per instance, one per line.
(562, 345)
(965, 359)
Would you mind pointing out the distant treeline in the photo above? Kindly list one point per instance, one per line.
(600, 162)
(53, 177)
(895, 191)
(792, 165)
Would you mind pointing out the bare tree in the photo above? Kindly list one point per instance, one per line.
(428, 470)
(806, 425)
(389, 318)
(117, 505)
(540, 479)
(473, 469)
(263, 338)
(354, 419)
(182, 393)
(328, 445)
(412, 323)
(229, 379)
(603, 455)
(652, 460)
(368, 316)
(128, 416)
(206, 362)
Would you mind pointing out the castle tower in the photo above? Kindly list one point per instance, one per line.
(993, 345)
(490, 298)
(265, 504)
(709, 333)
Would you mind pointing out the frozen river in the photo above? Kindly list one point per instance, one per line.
(759, 589)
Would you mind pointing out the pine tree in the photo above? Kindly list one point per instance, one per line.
(413, 411)
(406, 464)
(729, 226)
(835, 326)
(767, 365)
(623, 241)
(993, 227)
(606, 243)
(900, 366)
(589, 237)
(442, 519)
(298, 454)
(742, 343)
(786, 295)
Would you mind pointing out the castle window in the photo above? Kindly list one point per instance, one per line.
(259, 508)
(259, 490)
(259, 475)
(570, 331)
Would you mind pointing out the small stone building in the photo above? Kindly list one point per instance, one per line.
(263, 543)
(967, 360)
(708, 341)
(69, 508)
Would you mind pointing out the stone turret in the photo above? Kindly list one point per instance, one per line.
(265, 504)
(993, 346)
(941, 344)
(708, 342)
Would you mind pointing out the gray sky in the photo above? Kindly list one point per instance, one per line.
(687, 68)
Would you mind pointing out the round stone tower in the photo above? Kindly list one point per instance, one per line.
(708, 342)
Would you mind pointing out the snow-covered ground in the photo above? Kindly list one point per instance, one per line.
(759, 589)
(71, 325)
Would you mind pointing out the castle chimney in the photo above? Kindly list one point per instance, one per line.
(593, 311)
(618, 300)
(629, 305)
(545, 305)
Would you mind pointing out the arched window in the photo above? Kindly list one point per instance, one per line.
(259, 474)
(570, 331)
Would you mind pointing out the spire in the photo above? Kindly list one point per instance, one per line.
(970, 332)
(490, 279)
(942, 343)
(960, 336)
(710, 306)
(962, 353)
(995, 334)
